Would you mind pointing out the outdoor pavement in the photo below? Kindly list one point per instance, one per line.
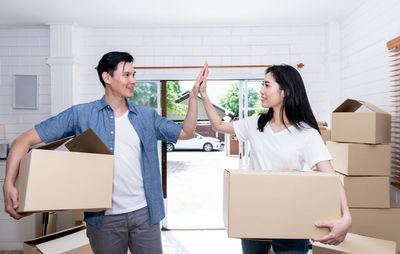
(194, 201)
(195, 188)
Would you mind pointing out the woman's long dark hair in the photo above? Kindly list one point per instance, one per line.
(295, 103)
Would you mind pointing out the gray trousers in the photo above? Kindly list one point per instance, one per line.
(121, 231)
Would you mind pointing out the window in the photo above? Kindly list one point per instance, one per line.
(25, 92)
(394, 54)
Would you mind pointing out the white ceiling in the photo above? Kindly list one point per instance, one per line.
(123, 13)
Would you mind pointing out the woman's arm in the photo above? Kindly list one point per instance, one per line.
(216, 122)
(338, 228)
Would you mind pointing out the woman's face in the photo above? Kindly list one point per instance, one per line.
(271, 94)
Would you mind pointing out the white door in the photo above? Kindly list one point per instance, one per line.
(249, 104)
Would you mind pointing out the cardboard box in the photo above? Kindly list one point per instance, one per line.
(367, 191)
(49, 223)
(78, 215)
(267, 205)
(70, 241)
(356, 244)
(371, 127)
(378, 223)
(80, 179)
(360, 159)
(326, 135)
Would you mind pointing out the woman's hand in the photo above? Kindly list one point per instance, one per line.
(338, 230)
(201, 78)
(203, 85)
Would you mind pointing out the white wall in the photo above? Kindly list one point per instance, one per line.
(364, 59)
(183, 46)
(364, 56)
(23, 51)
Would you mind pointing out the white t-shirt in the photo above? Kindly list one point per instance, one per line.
(286, 150)
(128, 192)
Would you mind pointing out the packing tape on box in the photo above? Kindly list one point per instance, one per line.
(2, 131)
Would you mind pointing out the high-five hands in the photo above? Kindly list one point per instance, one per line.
(201, 80)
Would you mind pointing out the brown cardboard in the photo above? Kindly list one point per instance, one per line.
(367, 191)
(360, 159)
(78, 215)
(70, 241)
(52, 180)
(266, 205)
(85, 249)
(378, 223)
(372, 127)
(356, 244)
(326, 135)
(49, 223)
(322, 250)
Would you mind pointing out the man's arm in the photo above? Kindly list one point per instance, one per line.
(189, 124)
(19, 148)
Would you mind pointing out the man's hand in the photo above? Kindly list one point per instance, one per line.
(11, 201)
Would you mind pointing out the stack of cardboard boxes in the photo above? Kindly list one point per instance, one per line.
(360, 150)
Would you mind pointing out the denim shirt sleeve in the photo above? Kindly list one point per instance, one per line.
(166, 130)
(57, 127)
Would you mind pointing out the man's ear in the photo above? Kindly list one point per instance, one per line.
(106, 77)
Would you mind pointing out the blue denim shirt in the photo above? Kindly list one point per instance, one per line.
(99, 116)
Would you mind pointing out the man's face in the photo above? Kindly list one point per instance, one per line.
(123, 80)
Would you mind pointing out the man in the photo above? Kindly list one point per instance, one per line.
(131, 132)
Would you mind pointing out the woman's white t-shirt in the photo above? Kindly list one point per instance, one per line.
(286, 150)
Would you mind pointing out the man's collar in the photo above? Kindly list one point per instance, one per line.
(102, 104)
(131, 106)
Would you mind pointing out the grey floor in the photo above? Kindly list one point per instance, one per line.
(193, 242)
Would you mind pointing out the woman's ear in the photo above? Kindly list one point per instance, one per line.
(283, 93)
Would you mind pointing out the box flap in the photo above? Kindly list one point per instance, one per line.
(276, 173)
(56, 235)
(66, 243)
(54, 145)
(351, 105)
(355, 243)
(88, 142)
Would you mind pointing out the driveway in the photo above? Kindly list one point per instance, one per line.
(194, 188)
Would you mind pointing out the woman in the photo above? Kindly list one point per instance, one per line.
(284, 138)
